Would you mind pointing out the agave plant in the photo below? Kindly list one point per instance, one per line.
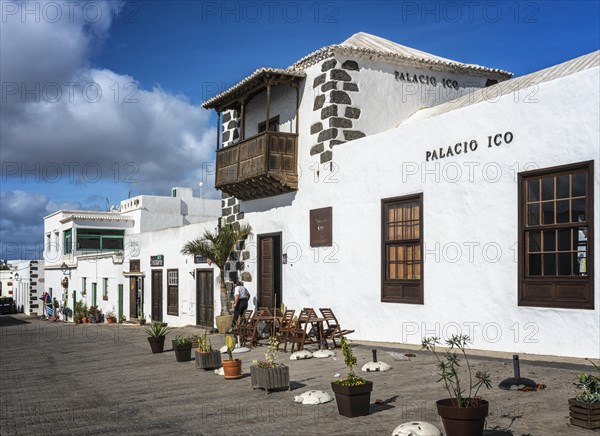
(589, 385)
(230, 343)
(157, 330)
(204, 345)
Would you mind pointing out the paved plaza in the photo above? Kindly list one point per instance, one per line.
(60, 378)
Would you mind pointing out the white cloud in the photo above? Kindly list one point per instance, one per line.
(62, 118)
(67, 121)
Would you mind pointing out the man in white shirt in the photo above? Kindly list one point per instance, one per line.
(240, 301)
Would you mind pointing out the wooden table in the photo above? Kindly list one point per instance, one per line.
(318, 323)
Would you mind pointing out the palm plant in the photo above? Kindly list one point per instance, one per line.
(218, 246)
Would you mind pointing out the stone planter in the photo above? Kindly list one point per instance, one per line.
(208, 360)
(232, 369)
(353, 401)
(270, 378)
(183, 352)
(586, 415)
(224, 323)
(462, 421)
(157, 344)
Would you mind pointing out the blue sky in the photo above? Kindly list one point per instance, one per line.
(63, 145)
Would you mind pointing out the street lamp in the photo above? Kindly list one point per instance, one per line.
(65, 270)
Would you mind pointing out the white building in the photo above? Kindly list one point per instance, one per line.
(23, 280)
(419, 196)
(103, 258)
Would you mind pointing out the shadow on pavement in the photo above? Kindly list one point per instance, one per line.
(381, 405)
(6, 320)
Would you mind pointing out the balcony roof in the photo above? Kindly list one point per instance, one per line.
(250, 86)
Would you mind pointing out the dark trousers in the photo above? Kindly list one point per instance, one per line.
(239, 310)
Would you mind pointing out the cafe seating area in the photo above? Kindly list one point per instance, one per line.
(293, 330)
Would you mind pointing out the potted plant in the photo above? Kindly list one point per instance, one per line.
(111, 318)
(464, 413)
(352, 393)
(80, 310)
(94, 314)
(206, 357)
(156, 336)
(232, 367)
(267, 374)
(218, 246)
(182, 345)
(584, 409)
(141, 318)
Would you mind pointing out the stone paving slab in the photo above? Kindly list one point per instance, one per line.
(68, 379)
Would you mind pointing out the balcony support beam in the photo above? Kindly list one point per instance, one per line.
(219, 127)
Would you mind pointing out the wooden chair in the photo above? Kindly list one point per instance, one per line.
(245, 327)
(299, 334)
(286, 322)
(333, 330)
(251, 336)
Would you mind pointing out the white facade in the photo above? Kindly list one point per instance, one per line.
(101, 276)
(24, 282)
(470, 200)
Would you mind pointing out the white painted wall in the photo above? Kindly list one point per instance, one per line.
(148, 213)
(479, 296)
(169, 242)
(283, 103)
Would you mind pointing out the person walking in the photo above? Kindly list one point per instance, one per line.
(241, 295)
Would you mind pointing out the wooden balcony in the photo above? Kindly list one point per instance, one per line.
(258, 167)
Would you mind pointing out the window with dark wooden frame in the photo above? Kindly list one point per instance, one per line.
(273, 125)
(556, 237)
(172, 292)
(402, 249)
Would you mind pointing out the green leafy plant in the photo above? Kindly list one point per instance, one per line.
(589, 385)
(157, 330)
(204, 345)
(182, 340)
(218, 246)
(448, 362)
(230, 343)
(270, 355)
(350, 360)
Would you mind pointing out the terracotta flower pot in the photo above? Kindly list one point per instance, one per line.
(353, 401)
(232, 369)
(111, 319)
(157, 344)
(462, 421)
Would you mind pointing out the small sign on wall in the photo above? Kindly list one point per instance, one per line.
(321, 227)
(157, 260)
(200, 259)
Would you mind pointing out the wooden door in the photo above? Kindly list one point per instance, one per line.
(204, 298)
(157, 295)
(269, 271)
(133, 297)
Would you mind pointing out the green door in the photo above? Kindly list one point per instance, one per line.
(74, 301)
(94, 288)
(120, 301)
